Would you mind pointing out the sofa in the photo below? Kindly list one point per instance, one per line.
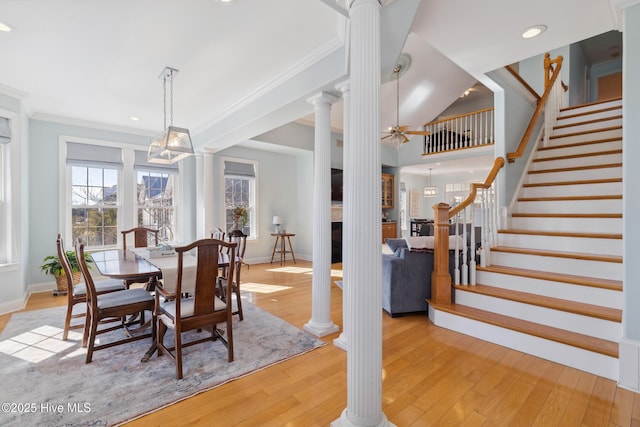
(406, 278)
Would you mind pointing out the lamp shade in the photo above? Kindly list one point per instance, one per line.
(172, 145)
(277, 220)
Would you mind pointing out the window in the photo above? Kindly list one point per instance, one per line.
(92, 210)
(94, 205)
(240, 190)
(155, 203)
(155, 185)
(403, 206)
(6, 172)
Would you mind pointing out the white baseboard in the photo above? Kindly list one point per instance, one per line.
(629, 364)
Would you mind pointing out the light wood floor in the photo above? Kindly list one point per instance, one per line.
(431, 376)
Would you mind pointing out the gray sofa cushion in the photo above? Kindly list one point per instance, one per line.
(395, 244)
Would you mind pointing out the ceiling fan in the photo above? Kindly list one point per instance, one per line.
(397, 135)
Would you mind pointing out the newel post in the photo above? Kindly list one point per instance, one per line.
(440, 278)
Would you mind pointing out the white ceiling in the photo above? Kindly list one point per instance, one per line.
(250, 66)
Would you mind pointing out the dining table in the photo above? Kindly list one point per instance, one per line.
(138, 264)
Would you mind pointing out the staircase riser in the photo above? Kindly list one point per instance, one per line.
(588, 268)
(596, 115)
(583, 174)
(599, 328)
(577, 161)
(590, 108)
(598, 364)
(562, 243)
(573, 150)
(584, 294)
(571, 206)
(604, 134)
(573, 190)
(588, 126)
(569, 225)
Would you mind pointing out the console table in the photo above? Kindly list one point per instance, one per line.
(283, 238)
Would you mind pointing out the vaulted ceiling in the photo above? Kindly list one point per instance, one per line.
(249, 66)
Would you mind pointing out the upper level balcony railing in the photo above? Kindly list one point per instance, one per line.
(459, 132)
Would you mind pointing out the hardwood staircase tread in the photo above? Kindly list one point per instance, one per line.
(586, 132)
(586, 113)
(559, 254)
(576, 168)
(587, 122)
(577, 182)
(589, 104)
(580, 144)
(594, 282)
(577, 156)
(589, 343)
(566, 215)
(571, 198)
(616, 236)
(590, 310)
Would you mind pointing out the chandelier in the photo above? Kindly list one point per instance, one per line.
(430, 191)
(174, 143)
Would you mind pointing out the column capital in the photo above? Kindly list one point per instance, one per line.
(344, 86)
(322, 98)
(380, 2)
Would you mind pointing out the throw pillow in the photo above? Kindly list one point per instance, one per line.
(395, 244)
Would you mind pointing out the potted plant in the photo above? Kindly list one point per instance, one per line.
(240, 217)
(51, 266)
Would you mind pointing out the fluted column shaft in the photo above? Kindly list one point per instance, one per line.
(343, 340)
(361, 217)
(205, 205)
(320, 323)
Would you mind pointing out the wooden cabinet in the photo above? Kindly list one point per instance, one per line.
(387, 191)
(388, 230)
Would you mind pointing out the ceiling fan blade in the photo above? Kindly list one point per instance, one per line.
(388, 136)
(418, 132)
(404, 139)
(403, 128)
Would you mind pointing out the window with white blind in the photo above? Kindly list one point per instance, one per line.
(240, 190)
(94, 193)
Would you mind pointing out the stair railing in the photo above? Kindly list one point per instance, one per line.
(552, 71)
(458, 132)
(484, 216)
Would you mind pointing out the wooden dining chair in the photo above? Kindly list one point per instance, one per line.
(77, 293)
(142, 236)
(112, 305)
(238, 237)
(202, 309)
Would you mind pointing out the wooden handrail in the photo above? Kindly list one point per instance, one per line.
(522, 82)
(511, 157)
(448, 119)
(497, 165)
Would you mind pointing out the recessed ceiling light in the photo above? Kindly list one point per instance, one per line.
(226, 1)
(134, 118)
(4, 27)
(534, 31)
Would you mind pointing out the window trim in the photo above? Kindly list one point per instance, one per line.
(9, 185)
(255, 234)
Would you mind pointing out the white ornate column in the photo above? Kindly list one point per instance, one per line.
(320, 323)
(205, 205)
(199, 194)
(343, 340)
(363, 233)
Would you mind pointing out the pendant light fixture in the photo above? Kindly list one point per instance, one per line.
(430, 191)
(174, 143)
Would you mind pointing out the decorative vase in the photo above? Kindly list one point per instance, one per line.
(236, 223)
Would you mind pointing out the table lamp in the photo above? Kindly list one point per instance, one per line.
(277, 221)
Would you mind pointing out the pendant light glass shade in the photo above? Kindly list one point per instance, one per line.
(430, 191)
(174, 143)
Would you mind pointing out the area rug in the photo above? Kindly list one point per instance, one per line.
(45, 381)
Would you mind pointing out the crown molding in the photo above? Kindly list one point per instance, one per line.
(93, 125)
